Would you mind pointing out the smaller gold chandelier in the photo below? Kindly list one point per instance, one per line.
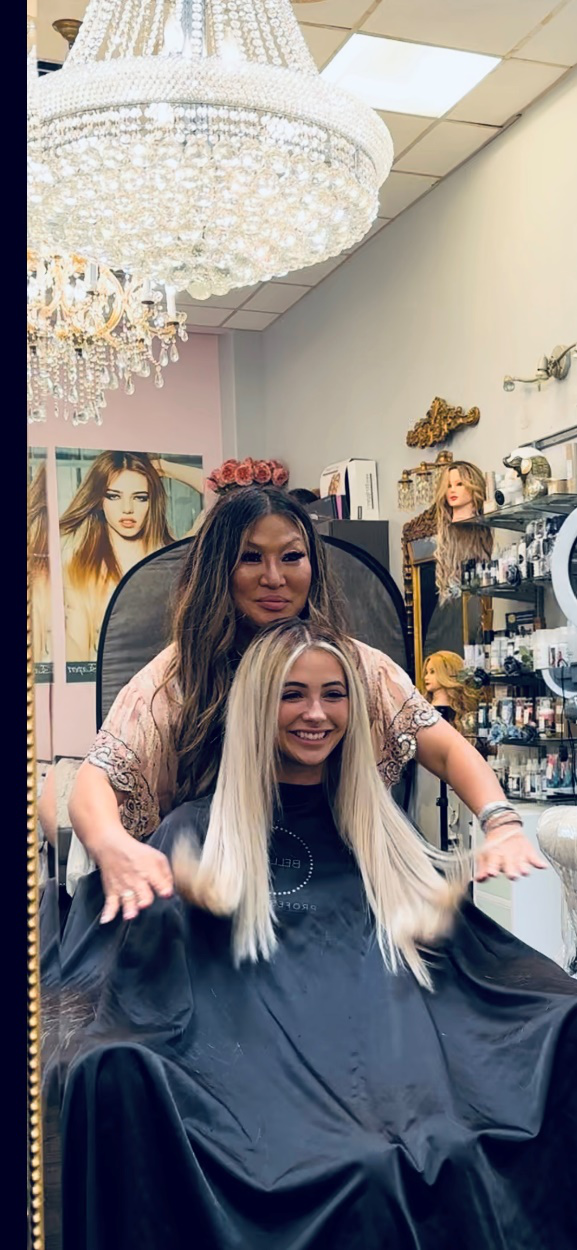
(90, 330)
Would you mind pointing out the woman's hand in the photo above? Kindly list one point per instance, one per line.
(512, 855)
(132, 874)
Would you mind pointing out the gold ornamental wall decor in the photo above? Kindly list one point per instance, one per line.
(441, 422)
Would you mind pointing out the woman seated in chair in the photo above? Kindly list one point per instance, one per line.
(317, 1041)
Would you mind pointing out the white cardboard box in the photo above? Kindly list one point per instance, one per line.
(353, 483)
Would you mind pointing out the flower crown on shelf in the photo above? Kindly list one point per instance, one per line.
(248, 472)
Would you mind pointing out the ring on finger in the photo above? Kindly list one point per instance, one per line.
(128, 894)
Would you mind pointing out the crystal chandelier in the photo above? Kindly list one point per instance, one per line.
(88, 331)
(204, 151)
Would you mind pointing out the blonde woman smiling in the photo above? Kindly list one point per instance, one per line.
(318, 1043)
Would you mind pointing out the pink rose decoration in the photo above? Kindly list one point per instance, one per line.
(261, 472)
(214, 480)
(227, 473)
(233, 473)
(243, 475)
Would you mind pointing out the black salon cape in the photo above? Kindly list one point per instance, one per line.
(316, 1101)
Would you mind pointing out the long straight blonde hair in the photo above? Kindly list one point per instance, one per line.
(413, 904)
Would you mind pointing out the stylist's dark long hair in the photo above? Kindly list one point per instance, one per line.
(207, 632)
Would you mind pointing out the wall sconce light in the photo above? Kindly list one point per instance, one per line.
(556, 365)
(406, 491)
(416, 488)
(424, 484)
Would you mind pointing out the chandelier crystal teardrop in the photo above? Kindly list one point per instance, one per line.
(201, 149)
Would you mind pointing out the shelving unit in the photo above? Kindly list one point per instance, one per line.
(531, 591)
(527, 590)
(530, 909)
(527, 678)
(519, 516)
(537, 742)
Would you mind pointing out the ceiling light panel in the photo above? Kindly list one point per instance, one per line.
(406, 77)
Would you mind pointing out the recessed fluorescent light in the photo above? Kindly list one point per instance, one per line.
(406, 77)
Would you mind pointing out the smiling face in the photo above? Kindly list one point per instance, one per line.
(126, 503)
(459, 495)
(272, 579)
(313, 716)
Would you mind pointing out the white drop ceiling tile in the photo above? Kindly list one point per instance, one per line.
(312, 274)
(345, 13)
(490, 26)
(323, 43)
(505, 92)
(448, 145)
(400, 190)
(276, 297)
(556, 42)
(232, 299)
(205, 316)
(404, 128)
(250, 320)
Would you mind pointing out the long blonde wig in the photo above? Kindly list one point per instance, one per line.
(448, 668)
(456, 543)
(412, 903)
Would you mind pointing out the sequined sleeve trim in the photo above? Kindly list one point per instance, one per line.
(139, 810)
(400, 742)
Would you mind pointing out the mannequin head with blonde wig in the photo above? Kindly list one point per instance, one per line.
(444, 685)
(460, 495)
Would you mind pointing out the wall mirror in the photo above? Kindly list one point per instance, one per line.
(431, 626)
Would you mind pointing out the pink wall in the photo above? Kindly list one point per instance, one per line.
(185, 416)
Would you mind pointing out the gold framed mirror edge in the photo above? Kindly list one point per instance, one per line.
(422, 526)
(33, 1029)
(417, 627)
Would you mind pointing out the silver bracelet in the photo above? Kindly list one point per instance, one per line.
(498, 808)
(496, 822)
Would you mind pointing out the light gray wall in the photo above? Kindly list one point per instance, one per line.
(476, 281)
(241, 369)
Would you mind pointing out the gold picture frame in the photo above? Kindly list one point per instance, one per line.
(33, 1030)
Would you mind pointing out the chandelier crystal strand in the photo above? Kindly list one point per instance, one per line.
(204, 151)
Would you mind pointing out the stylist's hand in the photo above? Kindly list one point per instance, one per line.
(132, 874)
(512, 855)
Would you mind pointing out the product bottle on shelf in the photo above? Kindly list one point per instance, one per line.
(515, 778)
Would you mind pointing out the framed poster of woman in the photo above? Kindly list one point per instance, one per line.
(116, 507)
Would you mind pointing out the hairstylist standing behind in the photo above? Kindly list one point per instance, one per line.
(257, 559)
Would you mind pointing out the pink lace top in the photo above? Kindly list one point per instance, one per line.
(134, 745)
